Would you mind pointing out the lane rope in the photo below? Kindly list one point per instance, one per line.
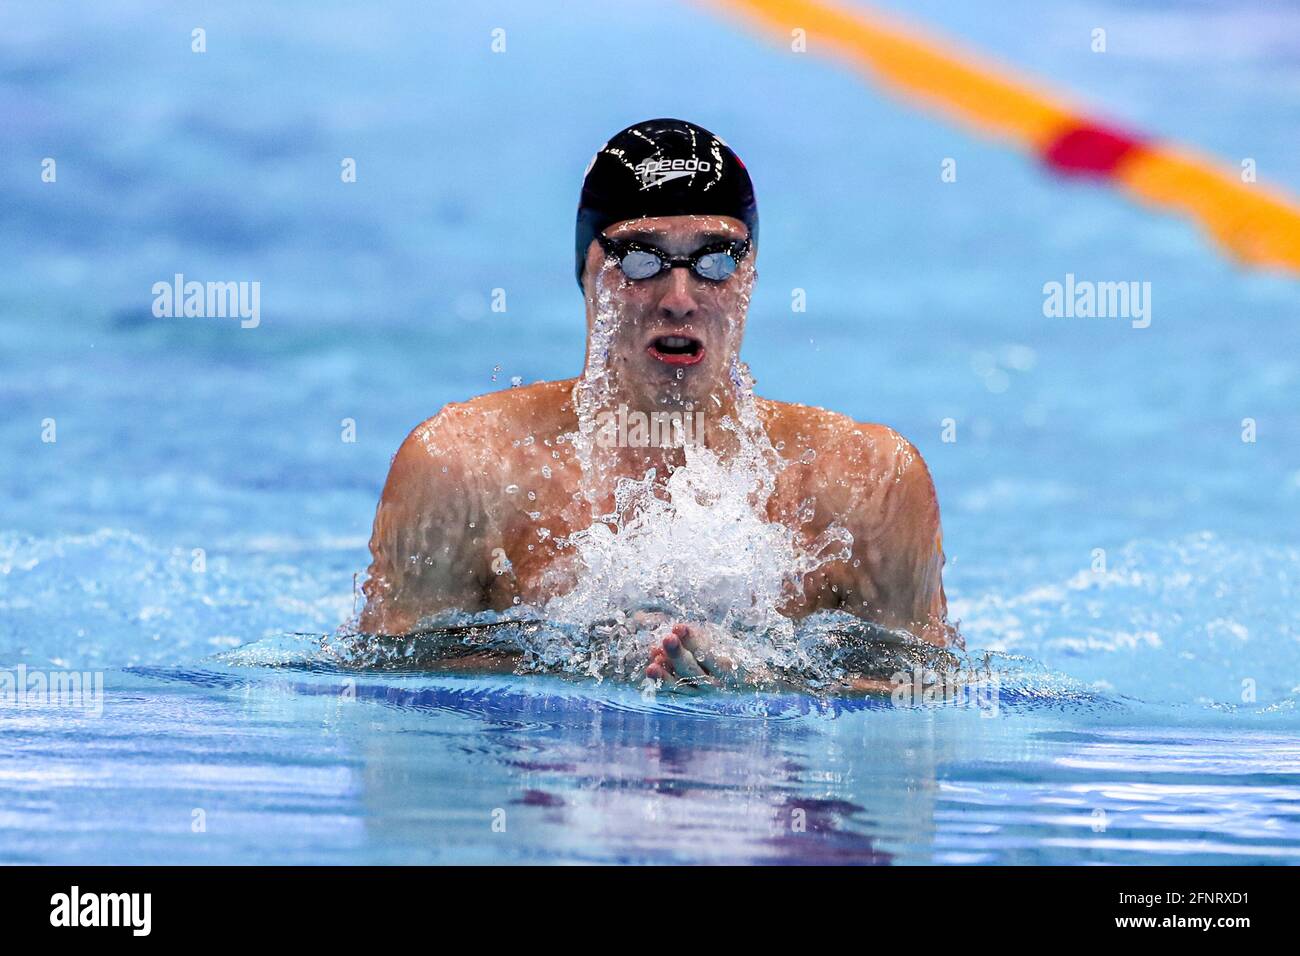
(1255, 224)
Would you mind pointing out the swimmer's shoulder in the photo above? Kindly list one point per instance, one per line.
(863, 468)
(478, 427)
(868, 448)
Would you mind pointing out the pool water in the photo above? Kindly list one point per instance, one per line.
(1130, 565)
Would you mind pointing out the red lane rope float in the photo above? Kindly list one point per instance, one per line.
(1089, 150)
(1254, 224)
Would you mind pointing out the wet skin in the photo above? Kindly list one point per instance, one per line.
(478, 494)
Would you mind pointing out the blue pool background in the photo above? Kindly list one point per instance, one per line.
(1134, 740)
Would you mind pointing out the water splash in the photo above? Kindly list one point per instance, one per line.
(593, 389)
(698, 546)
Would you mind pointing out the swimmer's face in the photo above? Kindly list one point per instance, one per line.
(675, 332)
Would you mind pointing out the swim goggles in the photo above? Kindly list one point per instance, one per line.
(716, 262)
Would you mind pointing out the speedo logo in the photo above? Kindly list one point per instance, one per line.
(655, 172)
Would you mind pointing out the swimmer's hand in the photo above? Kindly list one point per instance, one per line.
(698, 654)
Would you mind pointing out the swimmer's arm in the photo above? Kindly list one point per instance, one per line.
(424, 556)
(903, 586)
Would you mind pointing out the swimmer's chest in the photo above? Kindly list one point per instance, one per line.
(530, 558)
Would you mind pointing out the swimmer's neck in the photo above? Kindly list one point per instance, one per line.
(714, 398)
(630, 442)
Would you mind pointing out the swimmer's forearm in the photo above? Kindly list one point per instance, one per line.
(488, 662)
(377, 617)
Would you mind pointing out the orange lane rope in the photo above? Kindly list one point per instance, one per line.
(1256, 225)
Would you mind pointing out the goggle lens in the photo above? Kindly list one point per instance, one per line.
(715, 264)
(640, 265)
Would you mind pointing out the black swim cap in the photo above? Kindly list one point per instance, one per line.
(662, 167)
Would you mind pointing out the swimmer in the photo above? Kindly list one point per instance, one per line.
(481, 497)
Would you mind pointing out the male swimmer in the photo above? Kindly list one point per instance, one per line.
(667, 238)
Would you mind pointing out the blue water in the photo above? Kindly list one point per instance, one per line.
(1152, 716)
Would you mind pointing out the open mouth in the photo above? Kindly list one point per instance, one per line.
(676, 349)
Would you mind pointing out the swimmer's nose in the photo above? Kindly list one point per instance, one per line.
(677, 304)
